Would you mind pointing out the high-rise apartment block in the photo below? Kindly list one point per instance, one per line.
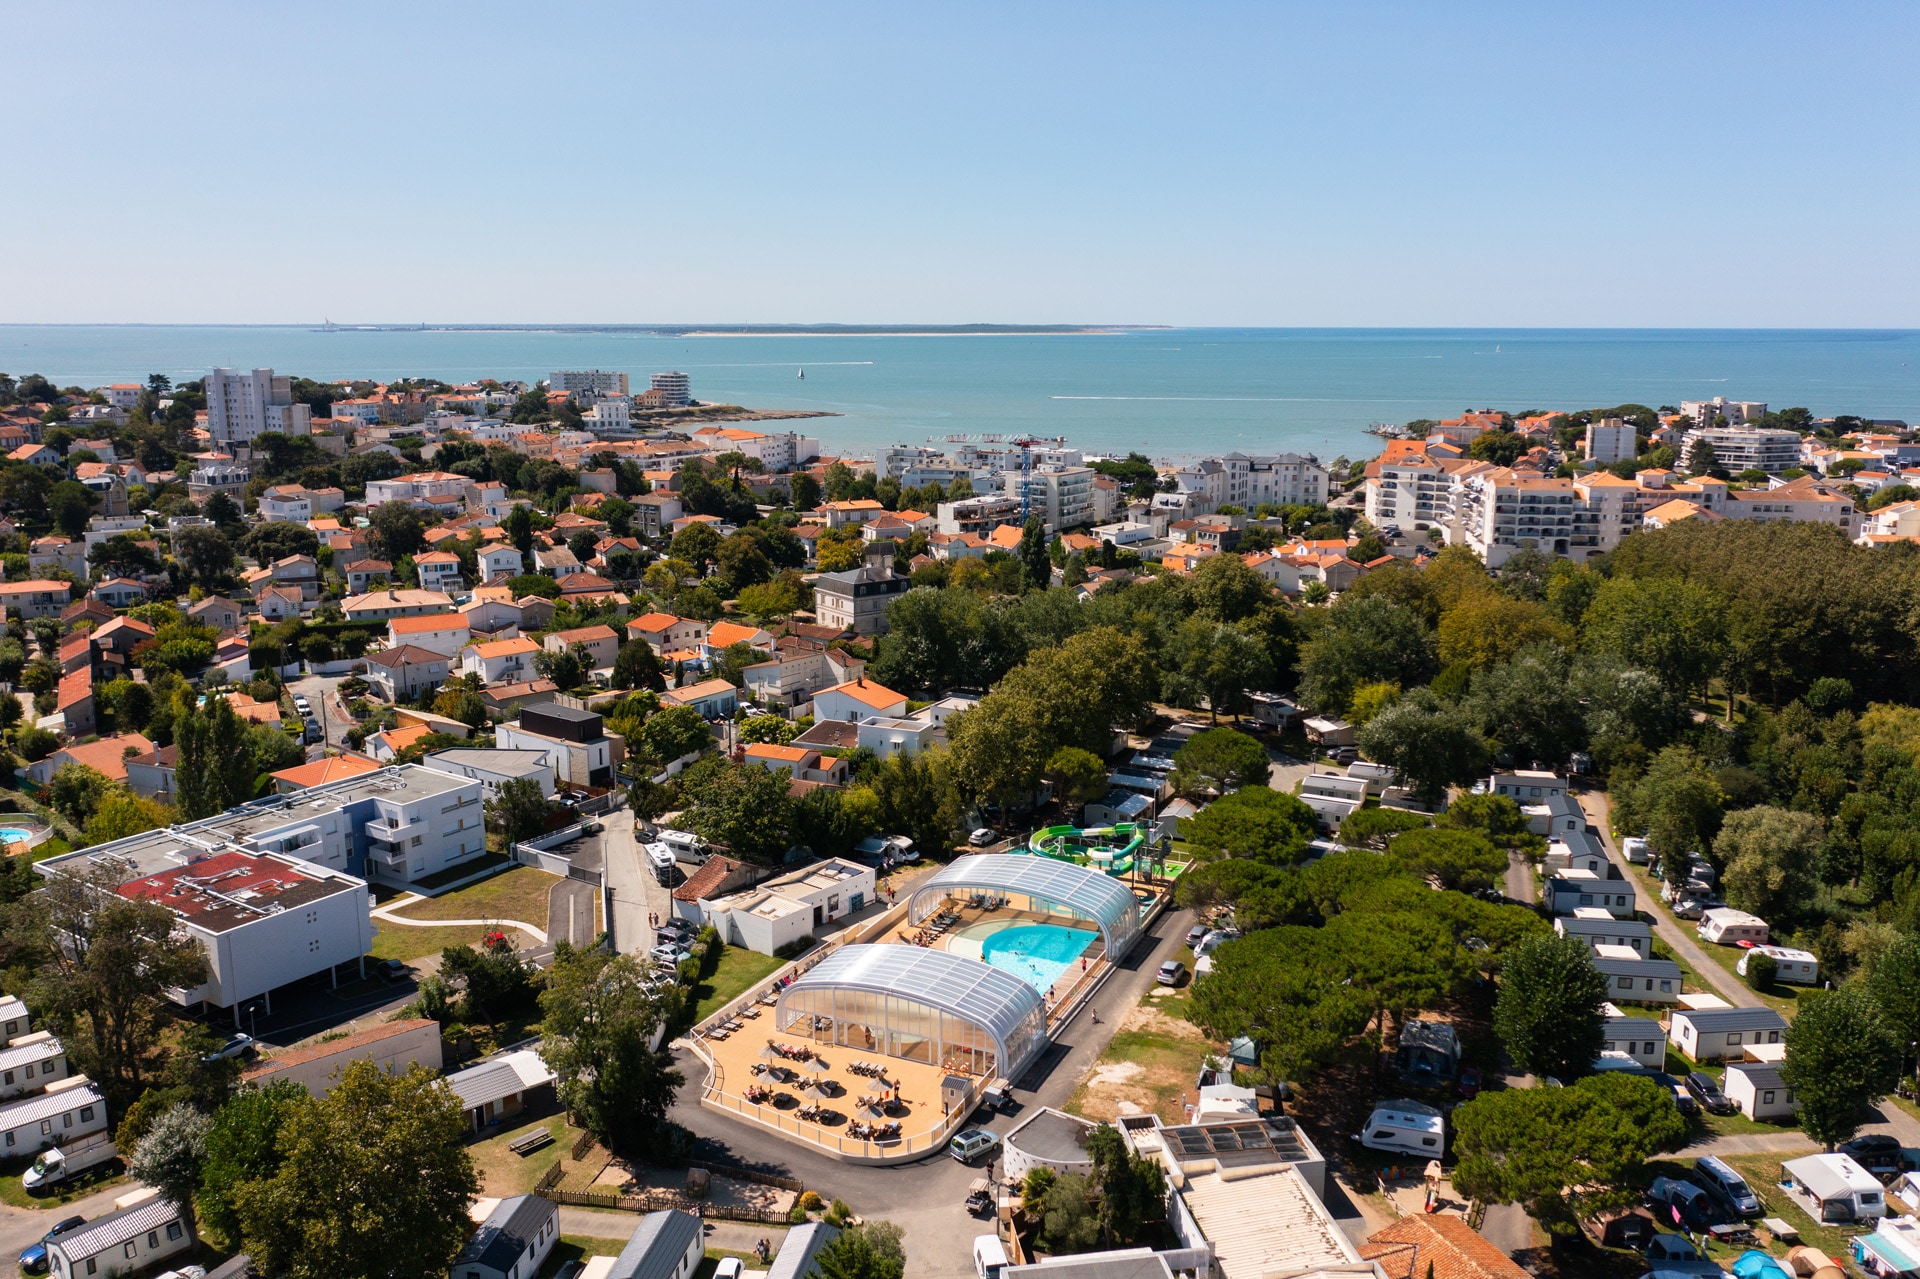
(1611, 440)
(587, 382)
(671, 390)
(243, 406)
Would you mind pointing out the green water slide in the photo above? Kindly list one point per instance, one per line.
(1108, 848)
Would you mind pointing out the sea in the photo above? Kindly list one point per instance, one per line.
(1169, 393)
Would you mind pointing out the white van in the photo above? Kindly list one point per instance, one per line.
(685, 845)
(989, 1258)
(1405, 1127)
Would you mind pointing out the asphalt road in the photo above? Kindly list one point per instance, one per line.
(322, 693)
(20, 1227)
(925, 1197)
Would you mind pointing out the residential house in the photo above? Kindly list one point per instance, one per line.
(35, 597)
(713, 698)
(286, 503)
(556, 562)
(498, 559)
(1438, 1245)
(150, 776)
(890, 735)
(278, 603)
(601, 642)
(444, 633)
(664, 633)
(387, 745)
(805, 765)
(300, 572)
(380, 606)
(218, 612)
(58, 552)
(401, 673)
(857, 700)
(360, 574)
(1720, 1034)
(512, 1241)
(493, 1090)
(724, 635)
(43, 456)
(654, 513)
(511, 698)
(581, 752)
(501, 660)
(74, 702)
(857, 599)
(794, 675)
(76, 653)
(1635, 978)
(438, 571)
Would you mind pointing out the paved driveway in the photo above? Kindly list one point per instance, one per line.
(323, 694)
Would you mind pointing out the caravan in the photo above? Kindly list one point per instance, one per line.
(1405, 1127)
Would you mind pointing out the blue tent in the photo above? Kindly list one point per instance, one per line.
(1754, 1264)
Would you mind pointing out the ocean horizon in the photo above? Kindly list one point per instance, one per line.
(1166, 392)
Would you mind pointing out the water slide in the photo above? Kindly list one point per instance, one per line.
(1109, 848)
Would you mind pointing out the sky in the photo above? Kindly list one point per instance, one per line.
(1625, 164)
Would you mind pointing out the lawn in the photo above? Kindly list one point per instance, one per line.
(453, 874)
(398, 941)
(520, 893)
(578, 1248)
(1782, 999)
(504, 1173)
(737, 971)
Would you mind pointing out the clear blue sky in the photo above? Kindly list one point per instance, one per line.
(1335, 164)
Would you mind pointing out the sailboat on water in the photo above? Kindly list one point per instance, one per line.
(803, 375)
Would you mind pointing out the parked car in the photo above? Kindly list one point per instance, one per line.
(301, 704)
(1196, 935)
(1877, 1152)
(237, 1046)
(982, 837)
(1721, 1182)
(1469, 1082)
(1344, 754)
(392, 970)
(1688, 908)
(33, 1258)
(1171, 973)
(729, 1268)
(314, 732)
(970, 1143)
(668, 953)
(1670, 1194)
(1708, 1093)
(980, 1198)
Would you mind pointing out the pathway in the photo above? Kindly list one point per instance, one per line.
(20, 1227)
(385, 914)
(1598, 809)
(1520, 880)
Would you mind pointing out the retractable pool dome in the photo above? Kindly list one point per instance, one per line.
(1087, 893)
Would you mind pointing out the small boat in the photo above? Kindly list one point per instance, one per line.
(803, 375)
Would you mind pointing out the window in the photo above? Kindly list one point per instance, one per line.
(173, 1230)
(132, 1248)
(1665, 986)
(93, 1267)
(46, 1126)
(153, 1238)
(1733, 1040)
(1766, 1098)
(1651, 1046)
(86, 1114)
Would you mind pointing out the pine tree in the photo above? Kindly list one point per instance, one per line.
(1036, 564)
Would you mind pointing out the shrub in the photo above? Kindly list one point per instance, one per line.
(1760, 970)
(798, 1216)
(812, 1202)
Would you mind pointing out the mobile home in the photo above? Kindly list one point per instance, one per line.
(1405, 1127)
(70, 1108)
(1728, 927)
(1720, 1034)
(1790, 964)
(1833, 1188)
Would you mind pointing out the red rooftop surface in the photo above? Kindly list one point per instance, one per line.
(220, 893)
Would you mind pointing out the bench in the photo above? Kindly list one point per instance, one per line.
(528, 1142)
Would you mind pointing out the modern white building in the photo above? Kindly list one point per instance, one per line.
(1744, 448)
(1721, 409)
(494, 768)
(782, 910)
(1062, 496)
(1611, 440)
(242, 406)
(576, 744)
(672, 390)
(587, 381)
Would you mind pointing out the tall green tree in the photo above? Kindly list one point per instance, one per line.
(1564, 1153)
(374, 1181)
(518, 809)
(1548, 1010)
(872, 1250)
(242, 1146)
(598, 1023)
(1770, 860)
(169, 1158)
(1894, 986)
(1036, 567)
(216, 767)
(1841, 1058)
(1677, 805)
(1430, 744)
(1463, 860)
(1258, 823)
(1219, 760)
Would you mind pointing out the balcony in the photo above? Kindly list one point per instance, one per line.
(392, 832)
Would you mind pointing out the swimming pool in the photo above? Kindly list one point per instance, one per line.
(14, 835)
(1037, 953)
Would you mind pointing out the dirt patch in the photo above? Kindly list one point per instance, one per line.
(1115, 1073)
(1154, 1022)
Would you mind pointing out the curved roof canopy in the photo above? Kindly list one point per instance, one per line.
(1090, 894)
(1002, 1005)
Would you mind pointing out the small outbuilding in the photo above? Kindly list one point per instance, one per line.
(1048, 1138)
(1630, 1227)
(496, 1089)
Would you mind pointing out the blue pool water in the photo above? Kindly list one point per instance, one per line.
(13, 835)
(1037, 953)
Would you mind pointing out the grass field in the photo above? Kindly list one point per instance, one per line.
(737, 970)
(397, 941)
(1784, 1000)
(520, 893)
(1763, 1174)
(504, 1173)
(92, 1181)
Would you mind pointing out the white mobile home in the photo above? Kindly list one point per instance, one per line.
(1759, 1091)
(1798, 967)
(1596, 927)
(1635, 979)
(1557, 815)
(14, 1020)
(1729, 927)
(1568, 890)
(1833, 1188)
(1406, 1127)
(71, 1108)
(1640, 1038)
(1720, 1034)
(135, 1238)
(1377, 776)
(30, 1063)
(1525, 785)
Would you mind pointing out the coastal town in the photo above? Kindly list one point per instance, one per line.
(691, 849)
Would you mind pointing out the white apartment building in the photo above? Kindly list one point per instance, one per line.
(613, 413)
(778, 453)
(672, 389)
(1284, 479)
(1611, 440)
(587, 381)
(977, 515)
(424, 487)
(1062, 496)
(241, 406)
(1408, 489)
(1745, 448)
(227, 477)
(894, 461)
(1731, 412)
